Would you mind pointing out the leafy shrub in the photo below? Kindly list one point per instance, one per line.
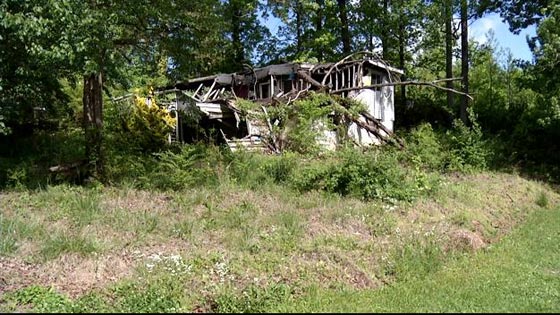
(161, 296)
(311, 176)
(245, 168)
(193, 165)
(424, 148)
(139, 123)
(43, 300)
(542, 200)
(467, 148)
(280, 168)
(375, 174)
(123, 165)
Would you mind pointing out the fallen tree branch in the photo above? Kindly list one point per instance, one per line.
(379, 125)
(432, 84)
(312, 81)
(372, 125)
(343, 60)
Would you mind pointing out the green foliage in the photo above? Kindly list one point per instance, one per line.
(245, 169)
(542, 200)
(42, 300)
(424, 148)
(193, 165)
(163, 295)
(30, 91)
(139, 125)
(459, 149)
(8, 238)
(301, 123)
(91, 303)
(3, 129)
(300, 126)
(311, 176)
(281, 168)
(468, 150)
(376, 174)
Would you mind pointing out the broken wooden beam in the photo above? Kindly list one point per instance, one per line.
(312, 81)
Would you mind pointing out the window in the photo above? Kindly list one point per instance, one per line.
(287, 85)
(264, 90)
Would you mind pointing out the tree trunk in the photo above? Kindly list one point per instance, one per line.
(319, 26)
(239, 54)
(449, 51)
(402, 40)
(298, 14)
(402, 66)
(93, 123)
(345, 30)
(384, 36)
(464, 60)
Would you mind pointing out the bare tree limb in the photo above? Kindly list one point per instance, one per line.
(309, 79)
(432, 84)
(342, 61)
(379, 125)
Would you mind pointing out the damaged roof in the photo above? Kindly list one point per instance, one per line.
(279, 69)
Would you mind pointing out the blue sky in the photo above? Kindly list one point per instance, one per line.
(517, 44)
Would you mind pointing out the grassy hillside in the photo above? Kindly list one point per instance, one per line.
(519, 274)
(228, 247)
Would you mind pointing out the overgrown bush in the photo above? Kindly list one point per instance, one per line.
(192, 165)
(468, 150)
(374, 174)
(424, 148)
(139, 123)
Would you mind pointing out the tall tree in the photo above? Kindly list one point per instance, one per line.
(28, 79)
(546, 50)
(449, 38)
(464, 59)
(518, 13)
(193, 36)
(312, 29)
(95, 40)
(344, 27)
(245, 32)
(294, 24)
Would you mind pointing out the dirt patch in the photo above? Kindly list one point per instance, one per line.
(76, 275)
(70, 274)
(466, 240)
(15, 273)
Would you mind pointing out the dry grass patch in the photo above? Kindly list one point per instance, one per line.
(233, 238)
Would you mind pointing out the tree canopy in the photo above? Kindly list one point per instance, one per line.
(53, 51)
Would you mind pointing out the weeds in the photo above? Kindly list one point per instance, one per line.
(41, 299)
(542, 200)
(253, 299)
(8, 238)
(66, 243)
(416, 257)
